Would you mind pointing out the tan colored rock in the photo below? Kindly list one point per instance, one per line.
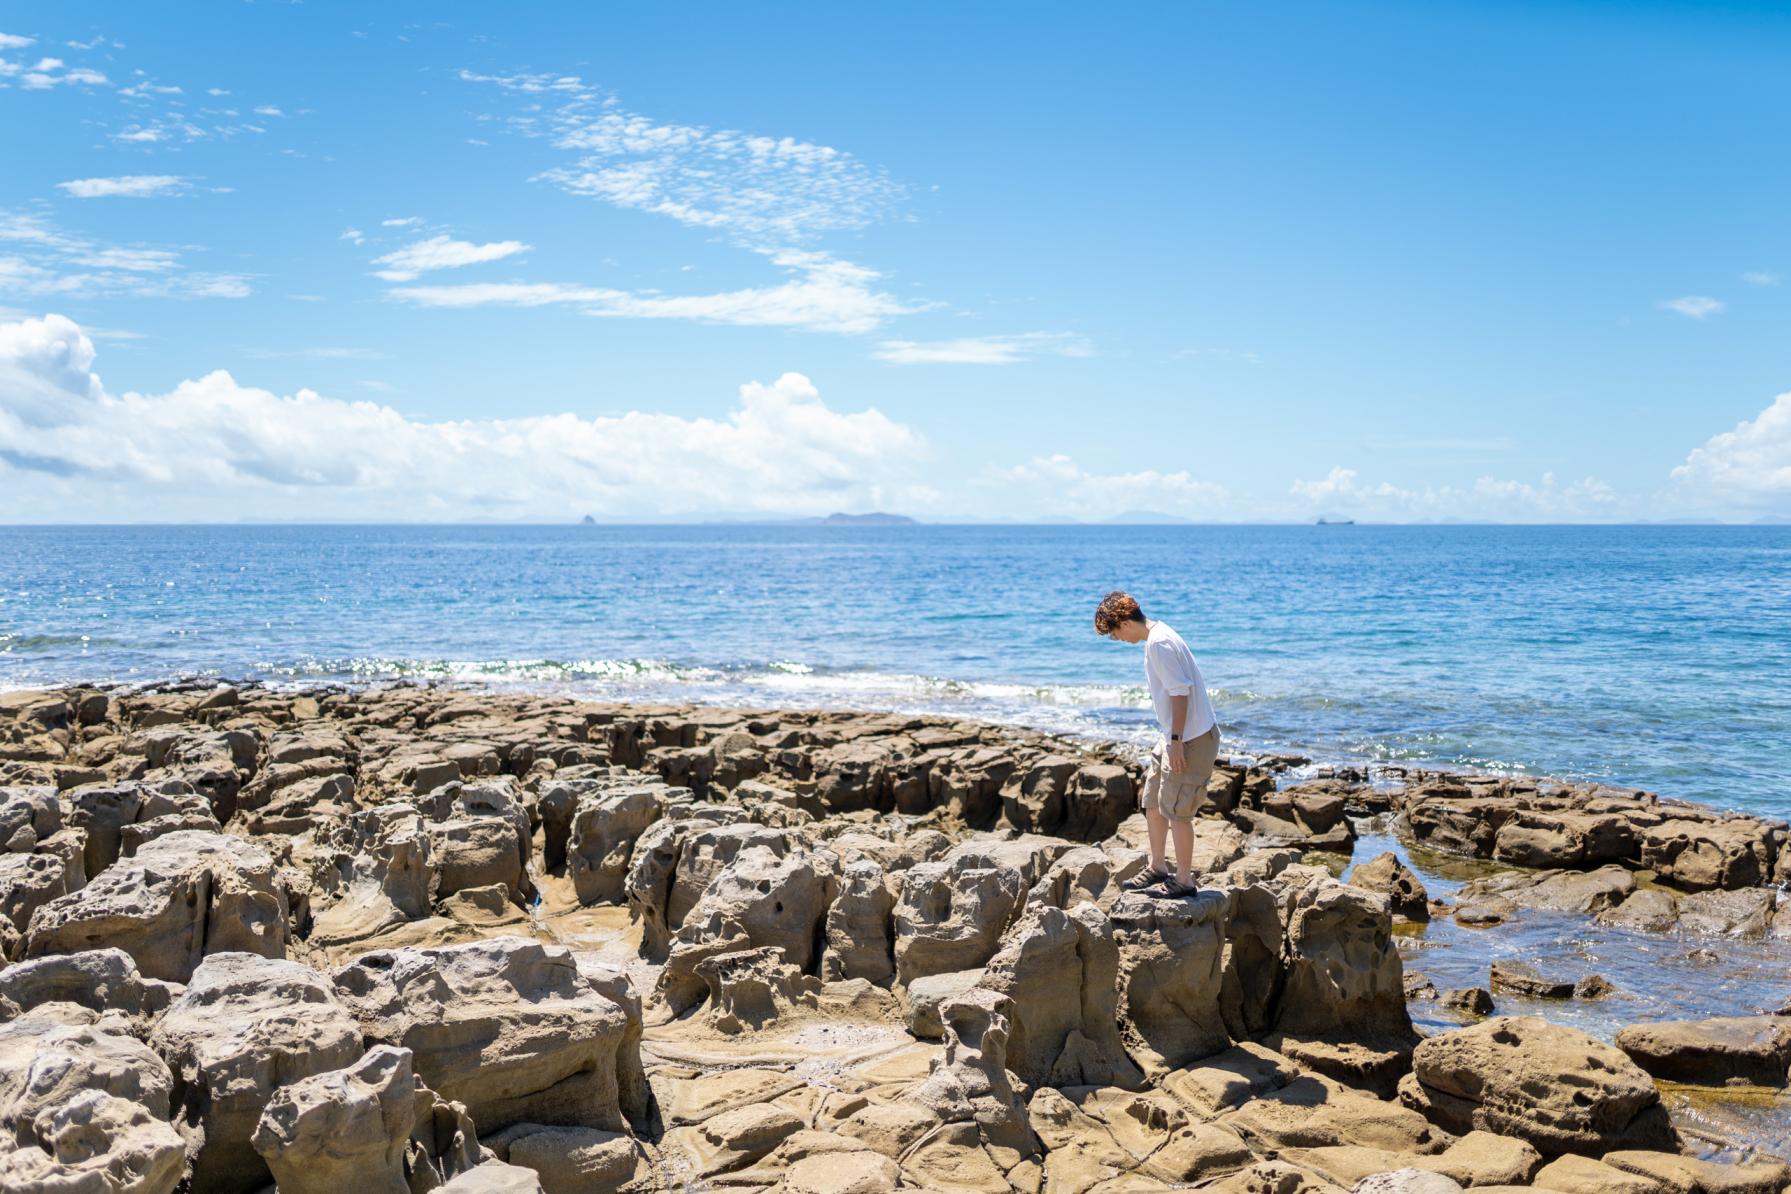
(345, 1129)
(1060, 970)
(971, 1083)
(752, 988)
(860, 926)
(494, 1177)
(1171, 969)
(507, 1026)
(1681, 1174)
(1704, 855)
(1386, 875)
(1552, 1086)
(244, 1027)
(951, 915)
(183, 896)
(601, 832)
(94, 1142)
(1315, 1112)
(1730, 1050)
(579, 1160)
(377, 871)
(1571, 1174)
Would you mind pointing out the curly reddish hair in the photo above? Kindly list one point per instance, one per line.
(1116, 607)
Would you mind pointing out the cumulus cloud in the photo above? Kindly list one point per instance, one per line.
(1695, 306)
(983, 350)
(128, 186)
(213, 447)
(442, 252)
(1491, 499)
(823, 294)
(37, 257)
(12, 41)
(1749, 464)
(47, 73)
(1056, 485)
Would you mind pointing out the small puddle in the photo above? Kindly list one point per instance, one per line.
(1656, 976)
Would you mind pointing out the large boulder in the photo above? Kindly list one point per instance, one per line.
(951, 915)
(346, 1129)
(970, 1084)
(859, 926)
(183, 896)
(1730, 1050)
(1386, 875)
(83, 1109)
(509, 1027)
(1171, 969)
(600, 834)
(1545, 1083)
(1563, 838)
(101, 980)
(1696, 854)
(1060, 971)
(479, 835)
(245, 1026)
(377, 869)
(1342, 1006)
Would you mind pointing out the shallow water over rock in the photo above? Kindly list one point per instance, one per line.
(1672, 975)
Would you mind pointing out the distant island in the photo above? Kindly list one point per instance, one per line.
(1336, 522)
(876, 519)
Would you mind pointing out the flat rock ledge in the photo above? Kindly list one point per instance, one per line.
(416, 938)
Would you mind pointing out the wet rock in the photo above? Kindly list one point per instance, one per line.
(1562, 838)
(1484, 913)
(1521, 978)
(1552, 1086)
(508, 1027)
(1171, 973)
(1649, 909)
(1730, 1050)
(1060, 971)
(1557, 891)
(345, 1129)
(1387, 876)
(1593, 986)
(243, 1027)
(1727, 913)
(1476, 1001)
(1419, 986)
(183, 896)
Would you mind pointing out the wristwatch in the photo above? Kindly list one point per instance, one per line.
(1175, 737)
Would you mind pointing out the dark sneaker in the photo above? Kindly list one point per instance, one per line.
(1144, 880)
(1172, 888)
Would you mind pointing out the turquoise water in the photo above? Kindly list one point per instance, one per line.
(1654, 656)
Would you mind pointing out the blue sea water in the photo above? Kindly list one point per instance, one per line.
(1651, 656)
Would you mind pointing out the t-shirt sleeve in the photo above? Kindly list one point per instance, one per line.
(1174, 668)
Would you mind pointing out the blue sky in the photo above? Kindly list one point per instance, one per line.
(1397, 261)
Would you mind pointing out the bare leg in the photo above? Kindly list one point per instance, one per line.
(1158, 825)
(1184, 849)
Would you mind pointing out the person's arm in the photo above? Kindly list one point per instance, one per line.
(1178, 718)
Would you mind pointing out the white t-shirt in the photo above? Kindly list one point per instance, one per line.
(1170, 670)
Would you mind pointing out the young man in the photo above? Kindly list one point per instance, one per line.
(1175, 777)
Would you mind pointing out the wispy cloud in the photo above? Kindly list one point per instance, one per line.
(321, 353)
(401, 222)
(1695, 306)
(761, 190)
(268, 110)
(1056, 485)
(442, 252)
(1760, 278)
(779, 449)
(823, 294)
(983, 350)
(36, 257)
(48, 73)
(1489, 498)
(131, 186)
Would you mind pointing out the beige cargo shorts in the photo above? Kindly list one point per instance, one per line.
(1179, 794)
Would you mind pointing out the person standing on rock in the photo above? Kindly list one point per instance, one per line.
(1180, 765)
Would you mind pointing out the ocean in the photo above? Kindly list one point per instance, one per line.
(1658, 657)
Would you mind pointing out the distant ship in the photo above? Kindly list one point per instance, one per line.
(1336, 522)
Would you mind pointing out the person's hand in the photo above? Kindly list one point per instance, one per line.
(1172, 754)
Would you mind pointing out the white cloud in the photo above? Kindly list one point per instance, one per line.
(442, 252)
(12, 41)
(268, 110)
(212, 447)
(216, 91)
(1489, 498)
(353, 236)
(761, 190)
(1056, 485)
(824, 294)
(50, 72)
(38, 258)
(136, 186)
(1760, 278)
(402, 222)
(1747, 464)
(983, 350)
(1695, 306)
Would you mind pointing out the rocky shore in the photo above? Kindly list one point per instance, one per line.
(411, 938)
